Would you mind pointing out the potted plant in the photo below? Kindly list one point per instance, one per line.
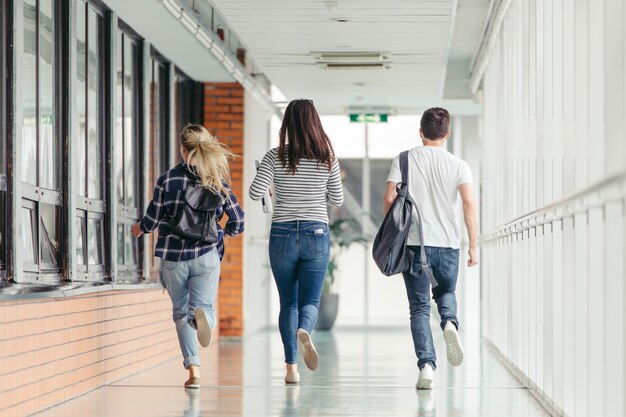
(343, 233)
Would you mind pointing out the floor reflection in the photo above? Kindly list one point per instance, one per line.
(362, 372)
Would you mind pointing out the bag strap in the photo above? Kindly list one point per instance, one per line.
(404, 169)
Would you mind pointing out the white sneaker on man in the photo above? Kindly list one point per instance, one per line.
(426, 377)
(453, 344)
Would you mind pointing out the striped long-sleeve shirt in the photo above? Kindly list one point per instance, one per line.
(300, 196)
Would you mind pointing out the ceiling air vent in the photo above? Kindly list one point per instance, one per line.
(352, 60)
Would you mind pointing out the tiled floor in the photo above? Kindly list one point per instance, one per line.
(362, 372)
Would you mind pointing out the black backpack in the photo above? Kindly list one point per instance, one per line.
(390, 251)
(197, 218)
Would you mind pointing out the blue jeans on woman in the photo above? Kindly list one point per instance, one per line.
(445, 265)
(191, 284)
(299, 252)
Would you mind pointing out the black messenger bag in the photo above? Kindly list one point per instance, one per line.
(197, 219)
(390, 250)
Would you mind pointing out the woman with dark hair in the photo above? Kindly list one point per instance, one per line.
(305, 174)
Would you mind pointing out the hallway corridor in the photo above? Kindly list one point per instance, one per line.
(362, 372)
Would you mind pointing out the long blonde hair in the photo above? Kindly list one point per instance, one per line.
(209, 157)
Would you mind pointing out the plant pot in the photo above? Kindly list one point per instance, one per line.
(329, 305)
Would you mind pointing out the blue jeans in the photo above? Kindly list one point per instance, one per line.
(191, 284)
(299, 252)
(445, 265)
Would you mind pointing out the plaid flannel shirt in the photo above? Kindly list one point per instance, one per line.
(167, 201)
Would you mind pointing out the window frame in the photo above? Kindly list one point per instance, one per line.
(126, 215)
(31, 195)
(85, 206)
(4, 133)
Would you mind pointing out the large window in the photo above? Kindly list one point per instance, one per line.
(159, 135)
(127, 152)
(90, 142)
(159, 119)
(4, 104)
(40, 217)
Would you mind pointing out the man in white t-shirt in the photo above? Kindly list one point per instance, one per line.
(436, 179)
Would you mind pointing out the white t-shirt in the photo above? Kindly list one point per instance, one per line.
(434, 177)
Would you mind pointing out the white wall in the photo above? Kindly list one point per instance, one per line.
(257, 280)
(554, 124)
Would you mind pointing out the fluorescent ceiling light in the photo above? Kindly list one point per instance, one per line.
(351, 57)
(354, 66)
(217, 51)
(228, 64)
(247, 83)
(204, 38)
(190, 21)
(174, 7)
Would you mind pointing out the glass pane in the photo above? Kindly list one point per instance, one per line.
(28, 236)
(131, 247)
(95, 240)
(130, 100)
(99, 227)
(81, 104)
(94, 94)
(2, 230)
(80, 240)
(120, 244)
(50, 235)
(119, 123)
(48, 143)
(164, 114)
(29, 94)
(130, 152)
(154, 124)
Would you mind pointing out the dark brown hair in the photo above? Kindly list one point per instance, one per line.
(435, 123)
(302, 136)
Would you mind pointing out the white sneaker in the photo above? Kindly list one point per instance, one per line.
(205, 334)
(307, 349)
(425, 380)
(292, 377)
(453, 344)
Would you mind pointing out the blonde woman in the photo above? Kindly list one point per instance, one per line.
(190, 268)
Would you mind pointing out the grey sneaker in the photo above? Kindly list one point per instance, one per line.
(202, 325)
(453, 344)
(307, 349)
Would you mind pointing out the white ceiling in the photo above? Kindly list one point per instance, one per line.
(153, 22)
(420, 34)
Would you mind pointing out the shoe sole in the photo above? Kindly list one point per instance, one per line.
(307, 348)
(203, 328)
(194, 386)
(453, 344)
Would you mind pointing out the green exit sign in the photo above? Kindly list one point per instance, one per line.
(368, 118)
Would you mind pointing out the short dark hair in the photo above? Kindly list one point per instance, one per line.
(435, 123)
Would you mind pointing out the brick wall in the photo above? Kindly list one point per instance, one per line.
(55, 349)
(223, 116)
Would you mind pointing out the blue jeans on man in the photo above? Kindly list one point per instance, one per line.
(191, 284)
(299, 252)
(445, 266)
